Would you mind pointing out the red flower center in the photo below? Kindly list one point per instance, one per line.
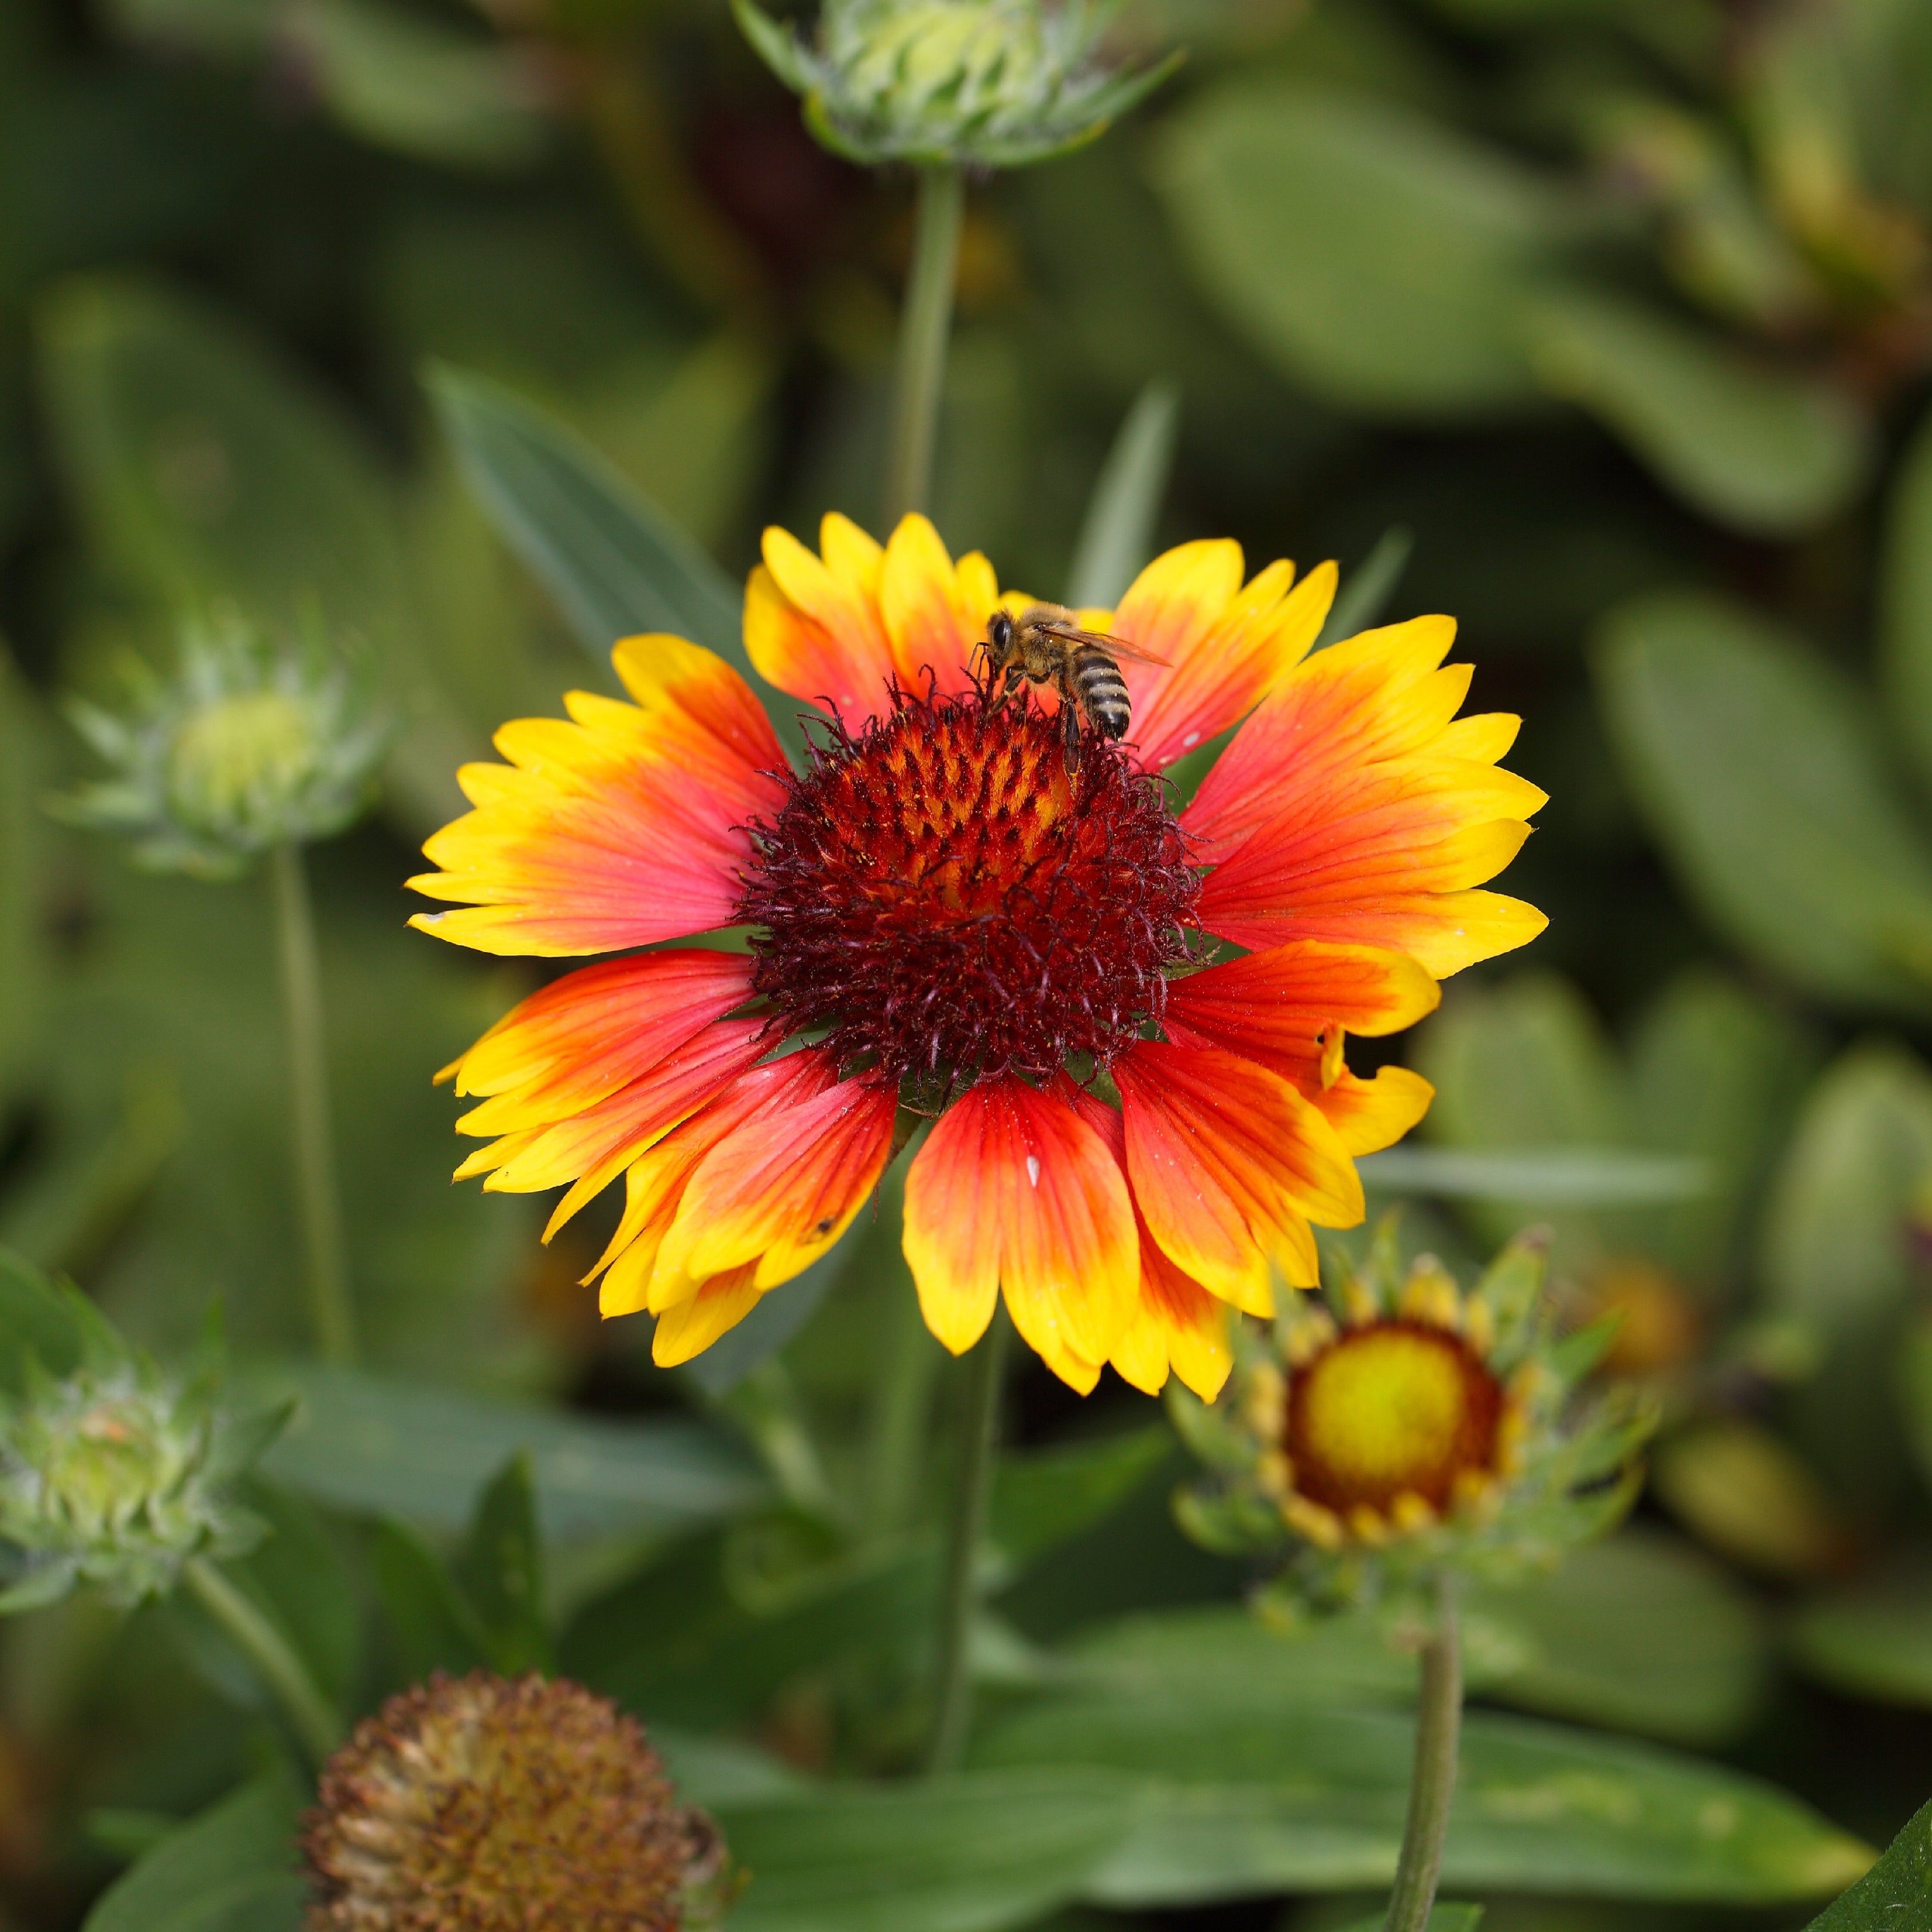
(941, 898)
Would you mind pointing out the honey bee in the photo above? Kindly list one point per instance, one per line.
(1047, 645)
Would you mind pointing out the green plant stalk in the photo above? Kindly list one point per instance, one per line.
(318, 1200)
(310, 1714)
(925, 328)
(1438, 1724)
(959, 1595)
(901, 1406)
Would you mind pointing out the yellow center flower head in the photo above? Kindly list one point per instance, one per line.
(247, 745)
(488, 1805)
(974, 904)
(1411, 1425)
(992, 83)
(1395, 1411)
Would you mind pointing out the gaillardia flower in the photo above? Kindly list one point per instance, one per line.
(1128, 1138)
(488, 1805)
(1405, 1426)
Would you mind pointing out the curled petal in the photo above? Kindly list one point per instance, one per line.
(780, 1189)
(622, 827)
(693, 1324)
(1368, 1115)
(1013, 1191)
(1229, 1165)
(1226, 647)
(812, 625)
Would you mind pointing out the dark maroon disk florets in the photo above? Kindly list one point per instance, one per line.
(939, 894)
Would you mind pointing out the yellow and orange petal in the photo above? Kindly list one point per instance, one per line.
(1177, 1326)
(624, 827)
(839, 629)
(1350, 808)
(1013, 1191)
(1226, 647)
(1230, 1166)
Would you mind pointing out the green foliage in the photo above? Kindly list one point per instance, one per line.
(1901, 1881)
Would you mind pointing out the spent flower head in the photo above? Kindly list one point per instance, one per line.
(984, 83)
(1403, 1426)
(251, 743)
(117, 1474)
(485, 1804)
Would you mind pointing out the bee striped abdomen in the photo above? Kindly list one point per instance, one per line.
(1103, 693)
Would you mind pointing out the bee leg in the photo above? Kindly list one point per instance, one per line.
(1070, 713)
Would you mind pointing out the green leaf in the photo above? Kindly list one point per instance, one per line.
(403, 81)
(230, 1870)
(1639, 1633)
(1896, 1894)
(1528, 1178)
(1247, 1793)
(772, 1322)
(1871, 1640)
(434, 1626)
(1366, 590)
(1041, 1499)
(1760, 449)
(1758, 768)
(1117, 538)
(615, 564)
(1328, 226)
(297, 1576)
(1834, 1261)
(1905, 602)
(971, 1853)
(364, 1442)
(501, 1571)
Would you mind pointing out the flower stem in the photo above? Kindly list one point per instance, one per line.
(972, 1481)
(1438, 1723)
(924, 327)
(283, 1673)
(318, 1203)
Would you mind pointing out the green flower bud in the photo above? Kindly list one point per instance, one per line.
(249, 746)
(984, 83)
(117, 1474)
(1408, 1426)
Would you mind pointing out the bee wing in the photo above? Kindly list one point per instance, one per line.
(1069, 634)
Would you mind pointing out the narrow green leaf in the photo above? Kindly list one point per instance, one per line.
(1366, 592)
(230, 1870)
(1761, 449)
(35, 1322)
(500, 1568)
(972, 1853)
(1760, 772)
(1117, 537)
(772, 1322)
(297, 1576)
(1896, 1894)
(1538, 1177)
(615, 564)
(434, 1627)
(365, 1442)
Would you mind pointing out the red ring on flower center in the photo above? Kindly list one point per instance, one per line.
(942, 897)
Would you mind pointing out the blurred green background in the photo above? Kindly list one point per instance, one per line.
(1614, 317)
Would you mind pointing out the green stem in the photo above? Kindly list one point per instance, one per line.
(978, 1430)
(924, 327)
(1439, 1722)
(318, 1203)
(308, 1712)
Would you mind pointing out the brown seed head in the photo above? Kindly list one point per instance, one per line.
(483, 1804)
